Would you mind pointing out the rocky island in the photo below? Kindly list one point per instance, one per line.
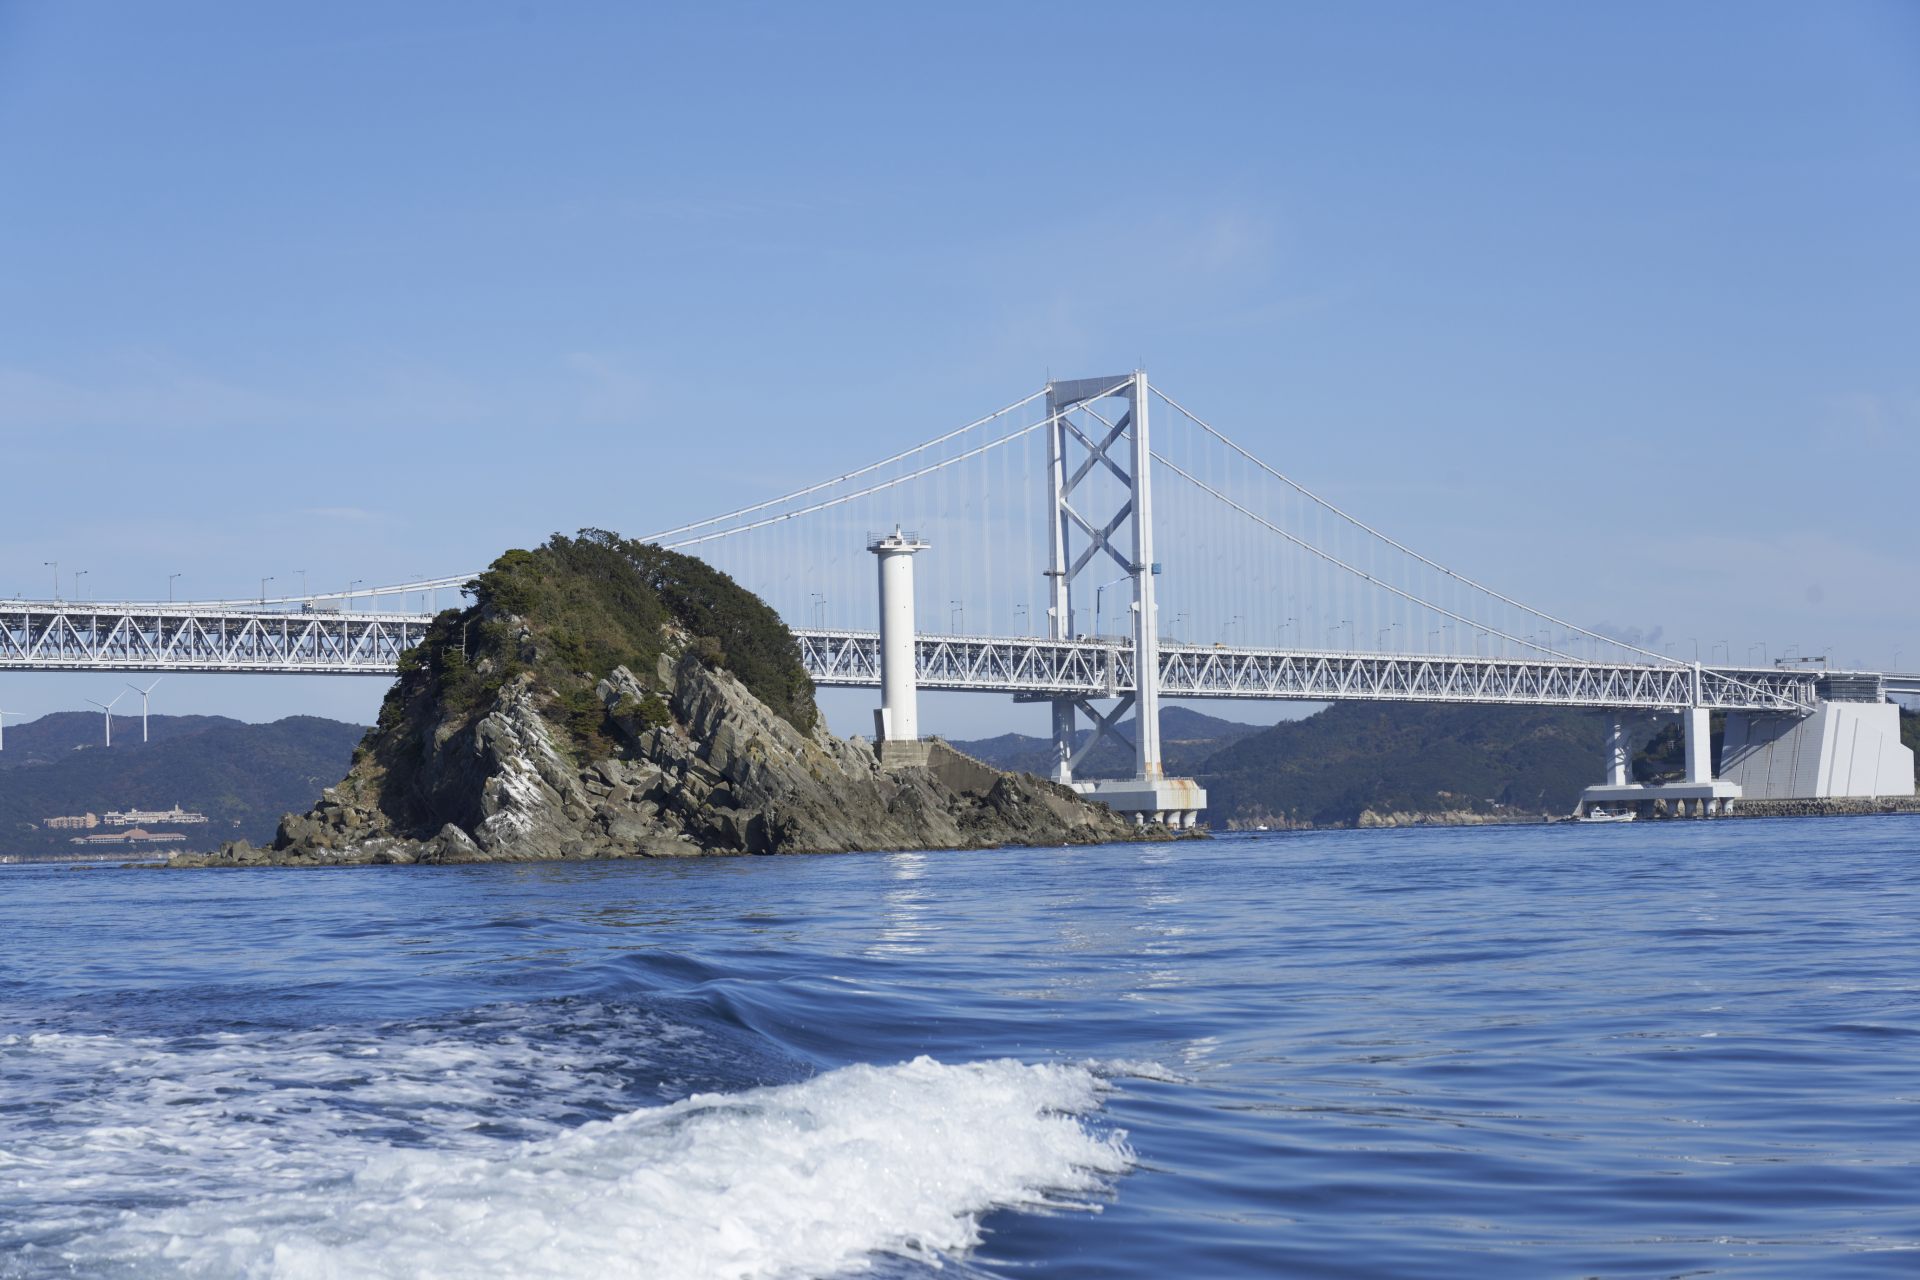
(603, 698)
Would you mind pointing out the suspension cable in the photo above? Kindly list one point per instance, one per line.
(1310, 495)
(851, 475)
(1362, 574)
(1307, 546)
(870, 490)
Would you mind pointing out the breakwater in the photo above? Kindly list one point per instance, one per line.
(1832, 807)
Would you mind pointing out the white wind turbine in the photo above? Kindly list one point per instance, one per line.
(106, 708)
(3, 726)
(144, 694)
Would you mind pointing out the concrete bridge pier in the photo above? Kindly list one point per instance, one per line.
(1698, 795)
(1619, 753)
(1697, 725)
(1063, 736)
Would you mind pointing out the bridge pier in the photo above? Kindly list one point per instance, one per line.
(1697, 725)
(1063, 736)
(1619, 753)
(1698, 795)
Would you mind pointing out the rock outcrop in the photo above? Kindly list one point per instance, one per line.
(677, 761)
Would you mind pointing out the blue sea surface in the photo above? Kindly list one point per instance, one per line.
(1652, 1050)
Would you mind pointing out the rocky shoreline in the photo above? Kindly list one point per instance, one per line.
(724, 776)
(1370, 820)
(1835, 807)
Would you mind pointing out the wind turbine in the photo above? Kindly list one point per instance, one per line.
(144, 693)
(107, 709)
(3, 726)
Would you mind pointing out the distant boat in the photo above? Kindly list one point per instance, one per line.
(1263, 827)
(1606, 815)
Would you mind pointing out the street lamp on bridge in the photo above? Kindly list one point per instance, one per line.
(170, 580)
(1099, 594)
(55, 566)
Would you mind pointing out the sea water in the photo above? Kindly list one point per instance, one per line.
(1646, 1050)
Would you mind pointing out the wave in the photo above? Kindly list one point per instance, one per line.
(301, 1158)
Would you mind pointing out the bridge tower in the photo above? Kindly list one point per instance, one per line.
(1078, 451)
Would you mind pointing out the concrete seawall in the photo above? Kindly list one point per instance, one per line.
(1832, 807)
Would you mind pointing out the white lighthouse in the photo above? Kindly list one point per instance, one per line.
(897, 722)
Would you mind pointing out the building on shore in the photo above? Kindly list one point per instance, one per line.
(75, 822)
(134, 835)
(140, 817)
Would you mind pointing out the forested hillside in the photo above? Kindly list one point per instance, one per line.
(242, 776)
(1349, 758)
(1406, 758)
(1186, 739)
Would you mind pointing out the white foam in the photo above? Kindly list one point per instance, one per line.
(803, 1179)
(1136, 1069)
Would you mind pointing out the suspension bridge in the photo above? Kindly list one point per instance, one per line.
(1097, 546)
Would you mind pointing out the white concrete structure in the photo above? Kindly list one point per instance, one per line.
(1710, 799)
(1173, 802)
(898, 719)
(1697, 723)
(1698, 795)
(1619, 753)
(1842, 749)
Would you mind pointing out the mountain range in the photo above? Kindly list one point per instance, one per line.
(1355, 758)
(1352, 758)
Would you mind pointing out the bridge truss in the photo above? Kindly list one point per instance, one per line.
(1094, 669)
(42, 636)
(36, 636)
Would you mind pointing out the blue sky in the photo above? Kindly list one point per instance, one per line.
(1613, 306)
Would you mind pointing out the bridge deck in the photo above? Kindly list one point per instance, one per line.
(1104, 669)
(41, 636)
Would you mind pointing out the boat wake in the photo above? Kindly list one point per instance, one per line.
(407, 1156)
